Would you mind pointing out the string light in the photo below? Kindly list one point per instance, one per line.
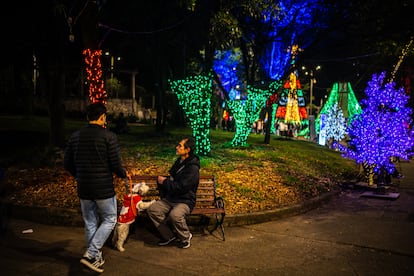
(381, 132)
(342, 95)
(335, 124)
(97, 91)
(404, 53)
(292, 107)
(194, 94)
(247, 111)
(142, 32)
(272, 101)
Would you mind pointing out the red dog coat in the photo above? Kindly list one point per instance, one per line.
(129, 209)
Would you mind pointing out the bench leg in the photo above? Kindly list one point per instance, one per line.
(219, 223)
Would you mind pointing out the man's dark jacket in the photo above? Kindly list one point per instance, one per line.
(181, 186)
(92, 155)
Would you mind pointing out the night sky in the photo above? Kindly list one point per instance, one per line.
(365, 37)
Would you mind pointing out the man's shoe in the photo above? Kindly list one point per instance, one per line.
(94, 264)
(166, 242)
(101, 258)
(186, 243)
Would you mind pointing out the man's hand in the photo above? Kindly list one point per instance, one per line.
(127, 187)
(161, 179)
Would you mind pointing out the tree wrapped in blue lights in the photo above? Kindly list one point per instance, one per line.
(267, 34)
(382, 131)
(229, 67)
(194, 94)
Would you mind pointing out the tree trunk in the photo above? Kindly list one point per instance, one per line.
(56, 107)
(268, 126)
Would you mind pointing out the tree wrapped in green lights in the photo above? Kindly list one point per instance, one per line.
(247, 111)
(245, 108)
(194, 94)
(382, 131)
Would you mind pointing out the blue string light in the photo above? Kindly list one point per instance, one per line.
(382, 131)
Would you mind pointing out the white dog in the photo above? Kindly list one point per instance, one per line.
(132, 205)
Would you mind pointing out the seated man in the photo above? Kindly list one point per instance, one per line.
(178, 196)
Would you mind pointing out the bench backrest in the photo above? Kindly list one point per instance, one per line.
(206, 192)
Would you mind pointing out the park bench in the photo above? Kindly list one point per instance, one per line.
(208, 204)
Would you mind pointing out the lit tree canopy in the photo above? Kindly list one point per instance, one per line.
(267, 34)
(382, 131)
(194, 95)
(246, 112)
(228, 66)
(290, 23)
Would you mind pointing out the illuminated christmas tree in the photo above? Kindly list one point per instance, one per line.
(292, 106)
(194, 94)
(335, 125)
(343, 96)
(382, 131)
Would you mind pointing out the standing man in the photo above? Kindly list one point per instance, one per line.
(92, 155)
(178, 196)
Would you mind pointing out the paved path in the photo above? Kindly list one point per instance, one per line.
(350, 235)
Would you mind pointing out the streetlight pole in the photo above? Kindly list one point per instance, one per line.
(311, 92)
(312, 81)
(111, 71)
(112, 75)
(311, 117)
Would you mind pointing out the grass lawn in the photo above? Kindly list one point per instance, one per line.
(257, 177)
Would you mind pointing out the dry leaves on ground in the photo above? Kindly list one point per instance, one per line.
(245, 189)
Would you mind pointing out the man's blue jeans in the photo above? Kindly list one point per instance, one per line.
(100, 218)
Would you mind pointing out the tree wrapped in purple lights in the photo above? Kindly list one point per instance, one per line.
(382, 131)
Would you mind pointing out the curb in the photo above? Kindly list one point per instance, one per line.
(73, 217)
(265, 216)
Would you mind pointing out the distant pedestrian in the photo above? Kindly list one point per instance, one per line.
(178, 196)
(121, 124)
(92, 155)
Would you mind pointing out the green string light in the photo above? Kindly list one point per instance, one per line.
(342, 95)
(273, 127)
(194, 94)
(246, 112)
